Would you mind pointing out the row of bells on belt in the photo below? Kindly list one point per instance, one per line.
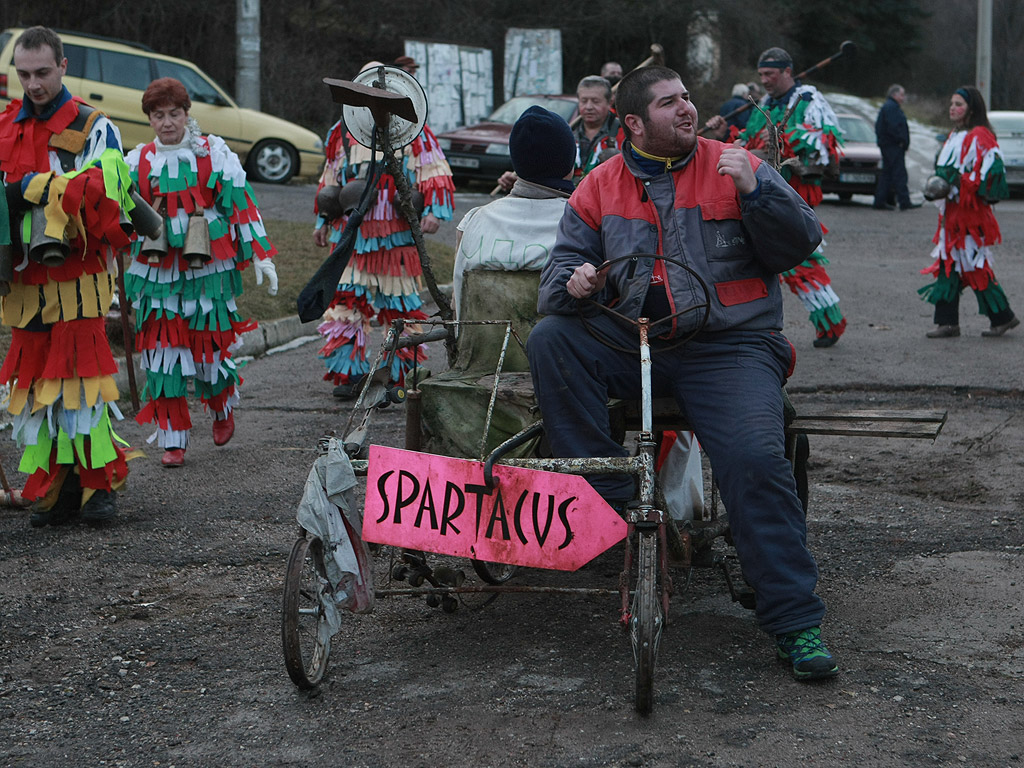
(196, 250)
(144, 219)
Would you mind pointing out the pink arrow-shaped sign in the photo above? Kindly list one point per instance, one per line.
(441, 504)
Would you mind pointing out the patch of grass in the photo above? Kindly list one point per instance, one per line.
(298, 258)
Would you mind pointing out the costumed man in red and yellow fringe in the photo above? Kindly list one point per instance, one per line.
(62, 158)
(382, 279)
(810, 138)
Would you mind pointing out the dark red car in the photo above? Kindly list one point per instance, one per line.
(480, 151)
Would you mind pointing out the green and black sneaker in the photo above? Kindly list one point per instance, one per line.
(807, 653)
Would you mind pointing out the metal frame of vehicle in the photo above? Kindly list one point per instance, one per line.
(111, 75)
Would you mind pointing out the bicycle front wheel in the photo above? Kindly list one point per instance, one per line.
(647, 620)
(304, 633)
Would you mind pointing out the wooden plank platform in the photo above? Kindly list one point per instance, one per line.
(866, 422)
(913, 424)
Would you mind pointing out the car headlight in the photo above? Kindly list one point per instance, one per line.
(445, 144)
(497, 149)
(318, 145)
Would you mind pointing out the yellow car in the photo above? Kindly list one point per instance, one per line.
(112, 74)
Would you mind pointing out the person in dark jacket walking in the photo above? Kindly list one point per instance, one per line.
(740, 91)
(893, 138)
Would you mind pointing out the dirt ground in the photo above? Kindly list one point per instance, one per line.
(155, 641)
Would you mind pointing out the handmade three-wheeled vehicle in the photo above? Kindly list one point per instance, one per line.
(473, 483)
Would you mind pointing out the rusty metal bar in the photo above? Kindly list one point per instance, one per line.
(495, 588)
(494, 392)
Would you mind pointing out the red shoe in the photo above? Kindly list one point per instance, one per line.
(224, 429)
(173, 457)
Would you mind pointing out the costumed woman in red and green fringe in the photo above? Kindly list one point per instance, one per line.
(972, 164)
(382, 279)
(186, 320)
(64, 170)
(810, 142)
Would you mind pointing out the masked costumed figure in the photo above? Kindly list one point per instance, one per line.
(382, 279)
(183, 290)
(971, 177)
(68, 186)
(810, 138)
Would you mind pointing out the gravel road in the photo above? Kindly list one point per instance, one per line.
(156, 641)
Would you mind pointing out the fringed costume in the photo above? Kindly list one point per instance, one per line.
(60, 367)
(187, 323)
(382, 279)
(972, 163)
(810, 142)
(589, 151)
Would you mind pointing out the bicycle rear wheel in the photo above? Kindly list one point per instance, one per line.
(304, 634)
(647, 620)
(494, 573)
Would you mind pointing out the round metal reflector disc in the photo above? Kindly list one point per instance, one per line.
(360, 122)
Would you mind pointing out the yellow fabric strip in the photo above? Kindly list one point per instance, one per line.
(68, 292)
(73, 393)
(47, 391)
(37, 186)
(60, 300)
(21, 305)
(18, 401)
(90, 305)
(58, 224)
(51, 304)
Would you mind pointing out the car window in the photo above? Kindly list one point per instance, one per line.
(125, 69)
(82, 62)
(1007, 126)
(510, 111)
(199, 89)
(856, 129)
(75, 54)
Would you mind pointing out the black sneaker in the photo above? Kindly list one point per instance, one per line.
(350, 391)
(65, 510)
(102, 506)
(807, 654)
(54, 516)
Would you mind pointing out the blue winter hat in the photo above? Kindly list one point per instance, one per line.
(542, 147)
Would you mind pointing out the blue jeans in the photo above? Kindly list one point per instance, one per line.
(729, 387)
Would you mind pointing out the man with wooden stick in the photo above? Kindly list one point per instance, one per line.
(66, 185)
(810, 137)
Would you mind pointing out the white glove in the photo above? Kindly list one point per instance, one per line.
(266, 267)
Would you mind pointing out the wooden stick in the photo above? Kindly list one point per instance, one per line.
(845, 49)
(127, 332)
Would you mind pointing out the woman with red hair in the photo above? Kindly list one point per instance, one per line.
(186, 321)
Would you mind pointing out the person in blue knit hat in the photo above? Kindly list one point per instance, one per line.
(543, 153)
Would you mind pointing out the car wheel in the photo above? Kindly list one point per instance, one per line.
(273, 161)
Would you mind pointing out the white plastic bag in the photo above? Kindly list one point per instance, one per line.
(680, 475)
(328, 511)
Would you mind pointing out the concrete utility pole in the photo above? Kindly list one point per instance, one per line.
(983, 66)
(247, 31)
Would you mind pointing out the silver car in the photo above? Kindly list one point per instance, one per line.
(1009, 128)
